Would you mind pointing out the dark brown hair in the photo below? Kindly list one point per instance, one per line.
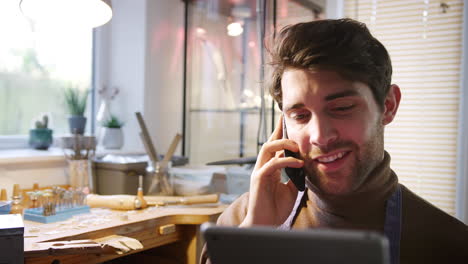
(344, 46)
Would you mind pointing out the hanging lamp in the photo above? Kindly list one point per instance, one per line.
(71, 13)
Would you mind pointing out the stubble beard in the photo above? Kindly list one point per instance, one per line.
(365, 159)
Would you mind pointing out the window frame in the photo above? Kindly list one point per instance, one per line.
(13, 142)
(461, 202)
(20, 141)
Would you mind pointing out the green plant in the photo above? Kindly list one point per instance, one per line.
(113, 122)
(75, 100)
(40, 137)
(42, 123)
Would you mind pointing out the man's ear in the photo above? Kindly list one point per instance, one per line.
(391, 103)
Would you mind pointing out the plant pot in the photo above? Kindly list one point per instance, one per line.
(77, 124)
(112, 138)
(40, 138)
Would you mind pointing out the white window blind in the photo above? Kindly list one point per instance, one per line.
(424, 41)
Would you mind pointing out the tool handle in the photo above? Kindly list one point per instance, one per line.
(117, 202)
(3, 195)
(172, 148)
(146, 136)
(147, 149)
(196, 199)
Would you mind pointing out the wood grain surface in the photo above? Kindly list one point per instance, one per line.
(143, 225)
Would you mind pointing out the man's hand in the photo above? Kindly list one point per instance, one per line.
(270, 200)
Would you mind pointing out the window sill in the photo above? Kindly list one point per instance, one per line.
(11, 157)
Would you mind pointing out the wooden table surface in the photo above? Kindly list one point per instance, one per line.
(180, 222)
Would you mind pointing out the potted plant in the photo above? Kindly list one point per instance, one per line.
(75, 100)
(112, 133)
(40, 137)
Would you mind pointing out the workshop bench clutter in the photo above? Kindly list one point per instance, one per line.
(105, 234)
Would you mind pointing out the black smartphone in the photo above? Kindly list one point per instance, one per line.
(297, 175)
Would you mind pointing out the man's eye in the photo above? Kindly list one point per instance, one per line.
(343, 108)
(298, 116)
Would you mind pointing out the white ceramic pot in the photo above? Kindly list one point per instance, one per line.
(112, 138)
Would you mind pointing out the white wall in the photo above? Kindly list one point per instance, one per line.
(163, 96)
(27, 171)
(334, 8)
(140, 51)
(121, 46)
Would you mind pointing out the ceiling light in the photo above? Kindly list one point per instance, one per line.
(235, 29)
(71, 13)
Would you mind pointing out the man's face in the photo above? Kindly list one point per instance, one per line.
(337, 125)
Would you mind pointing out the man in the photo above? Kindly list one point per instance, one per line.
(332, 81)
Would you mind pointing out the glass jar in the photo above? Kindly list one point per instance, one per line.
(158, 178)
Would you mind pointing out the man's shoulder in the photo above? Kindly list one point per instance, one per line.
(235, 212)
(424, 224)
(416, 207)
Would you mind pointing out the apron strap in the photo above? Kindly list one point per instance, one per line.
(392, 228)
(288, 223)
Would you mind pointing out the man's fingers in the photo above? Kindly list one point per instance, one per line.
(275, 164)
(279, 154)
(270, 149)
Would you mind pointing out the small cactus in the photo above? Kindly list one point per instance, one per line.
(42, 123)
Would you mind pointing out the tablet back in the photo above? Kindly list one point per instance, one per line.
(228, 245)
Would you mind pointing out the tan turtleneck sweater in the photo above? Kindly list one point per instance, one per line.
(428, 235)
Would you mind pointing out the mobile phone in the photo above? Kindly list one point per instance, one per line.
(297, 175)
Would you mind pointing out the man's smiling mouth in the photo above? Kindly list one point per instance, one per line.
(331, 158)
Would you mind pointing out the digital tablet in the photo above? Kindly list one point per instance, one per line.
(228, 245)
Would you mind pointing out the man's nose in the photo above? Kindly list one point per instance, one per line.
(321, 131)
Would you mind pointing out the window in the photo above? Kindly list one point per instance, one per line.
(424, 42)
(37, 62)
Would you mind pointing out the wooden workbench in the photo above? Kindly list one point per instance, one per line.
(181, 244)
